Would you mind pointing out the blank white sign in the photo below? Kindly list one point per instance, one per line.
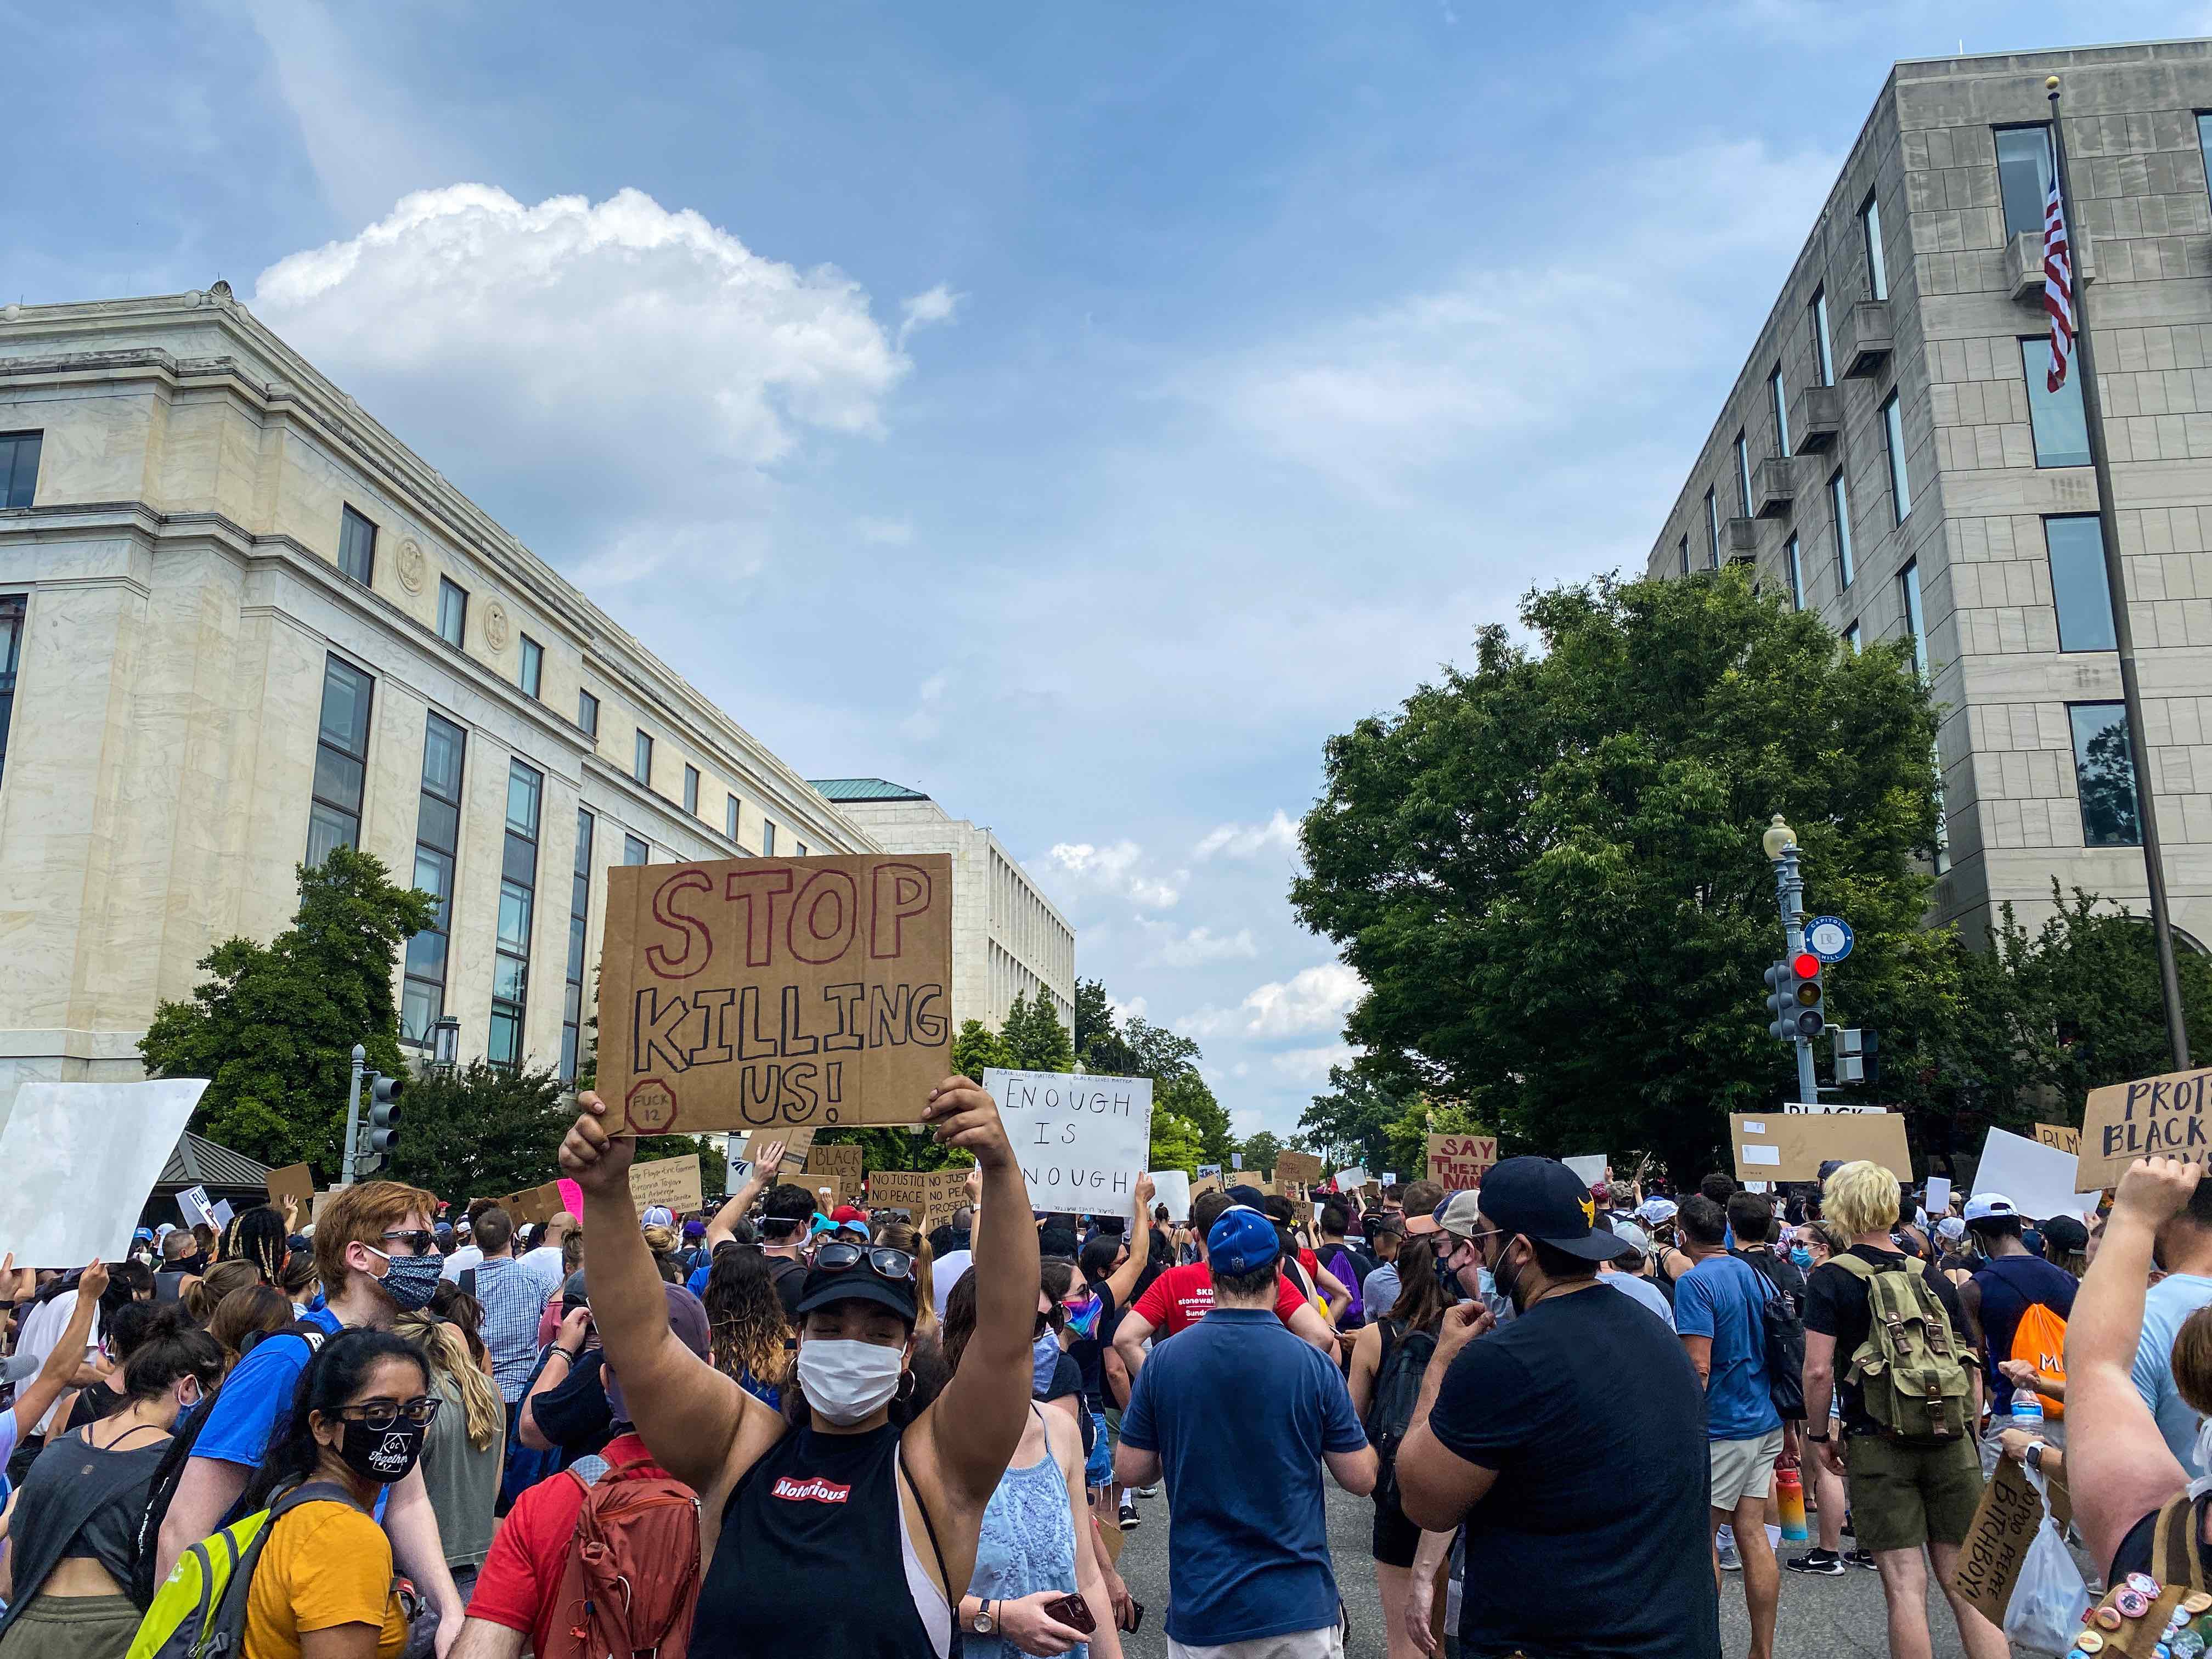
(82, 1159)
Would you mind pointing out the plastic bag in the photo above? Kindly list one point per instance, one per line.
(2051, 1598)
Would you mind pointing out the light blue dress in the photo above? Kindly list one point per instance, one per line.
(1027, 1545)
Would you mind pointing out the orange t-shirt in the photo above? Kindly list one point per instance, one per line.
(325, 1564)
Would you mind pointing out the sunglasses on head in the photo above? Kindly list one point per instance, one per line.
(881, 1259)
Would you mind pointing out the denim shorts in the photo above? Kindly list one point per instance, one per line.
(1099, 1469)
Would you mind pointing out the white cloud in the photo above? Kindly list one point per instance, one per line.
(928, 717)
(1247, 840)
(884, 532)
(1314, 1000)
(1125, 1012)
(1113, 870)
(933, 305)
(1311, 1065)
(1197, 947)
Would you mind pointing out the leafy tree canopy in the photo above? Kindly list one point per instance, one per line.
(483, 1132)
(1260, 1152)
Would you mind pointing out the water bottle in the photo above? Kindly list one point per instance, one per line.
(2028, 1412)
(1790, 1499)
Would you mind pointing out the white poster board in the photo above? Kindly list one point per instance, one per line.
(1351, 1180)
(1590, 1170)
(197, 1211)
(1080, 1140)
(1937, 1197)
(2037, 1178)
(103, 1146)
(221, 1214)
(1172, 1188)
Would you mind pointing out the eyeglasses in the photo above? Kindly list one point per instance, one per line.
(419, 1241)
(882, 1260)
(382, 1415)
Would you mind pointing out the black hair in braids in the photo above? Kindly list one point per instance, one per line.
(257, 1235)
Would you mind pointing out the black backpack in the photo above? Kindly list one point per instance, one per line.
(1406, 1356)
(1781, 1320)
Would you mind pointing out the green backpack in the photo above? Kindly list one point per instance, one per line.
(200, 1611)
(1909, 1371)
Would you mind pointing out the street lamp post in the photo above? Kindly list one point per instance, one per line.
(1780, 845)
(353, 1113)
(444, 1044)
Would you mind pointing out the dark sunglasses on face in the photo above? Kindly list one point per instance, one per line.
(881, 1259)
(382, 1415)
(419, 1241)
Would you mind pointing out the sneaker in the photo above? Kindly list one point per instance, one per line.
(1130, 1519)
(1148, 1492)
(1826, 1563)
(1730, 1561)
(1860, 1559)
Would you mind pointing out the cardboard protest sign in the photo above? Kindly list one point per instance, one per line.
(1172, 1188)
(1773, 1146)
(196, 1208)
(1081, 1140)
(928, 1196)
(831, 1191)
(81, 1159)
(294, 1182)
(2152, 1117)
(2059, 1135)
(1826, 1106)
(842, 1161)
(1458, 1162)
(2038, 1179)
(1206, 1183)
(536, 1206)
(760, 993)
(1996, 1543)
(1589, 1169)
(1300, 1167)
(671, 1181)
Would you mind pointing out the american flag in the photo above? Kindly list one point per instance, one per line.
(2057, 285)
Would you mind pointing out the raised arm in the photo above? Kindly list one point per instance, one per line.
(61, 1365)
(976, 1423)
(1123, 1280)
(723, 1227)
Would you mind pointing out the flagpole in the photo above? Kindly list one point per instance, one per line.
(2116, 585)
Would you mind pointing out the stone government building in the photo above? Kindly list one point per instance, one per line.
(1890, 457)
(241, 624)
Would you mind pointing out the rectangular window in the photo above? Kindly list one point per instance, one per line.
(1686, 555)
(802, 850)
(1839, 504)
(2204, 149)
(1823, 359)
(587, 713)
(730, 818)
(1893, 434)
(1852, 638)
(452, 612)
(11, 654)
(356, 546)
(691, 790)
(18, 466)
(641, 763)
(768, 838)
(518, 899)
(1713, 531)
(1743, 477)
(580, 915)
(2023, 177)
(2078, 587)
(2061, 430)
(1908, 589)
(533, 675)
(1871, 234)
(1774, 396)
(341, 760)
(1796, 574)
(437, 844)
(2105, 774)
(635, 851)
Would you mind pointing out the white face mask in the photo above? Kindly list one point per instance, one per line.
(2202, 1483)
(848, 1381)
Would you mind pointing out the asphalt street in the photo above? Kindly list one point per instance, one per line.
(1821, 1619)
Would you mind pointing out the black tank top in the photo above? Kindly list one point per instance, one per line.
(815, 1524)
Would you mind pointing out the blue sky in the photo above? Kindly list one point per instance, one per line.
(1077, 412)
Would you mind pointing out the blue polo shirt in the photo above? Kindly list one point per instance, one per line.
(1240, 1411)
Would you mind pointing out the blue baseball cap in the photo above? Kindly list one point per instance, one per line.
(1242, 1240)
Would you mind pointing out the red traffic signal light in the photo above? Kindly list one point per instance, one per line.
(1805, 965)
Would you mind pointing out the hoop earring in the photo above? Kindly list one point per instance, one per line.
(905, 1387)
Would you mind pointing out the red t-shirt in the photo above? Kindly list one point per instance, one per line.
(1182, 1296)
(521, 1578)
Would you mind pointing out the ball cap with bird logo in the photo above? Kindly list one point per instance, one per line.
(1543, 1199)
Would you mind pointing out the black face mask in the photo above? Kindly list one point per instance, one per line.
(384, 1456)
(194, 1263)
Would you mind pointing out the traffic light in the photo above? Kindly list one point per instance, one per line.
(1782, 1002)
(1809, 1021)
(383, 1112)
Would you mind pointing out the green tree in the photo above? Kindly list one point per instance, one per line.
(1261, 1151)
(1157, 1053)
(976, 1048)
(1035, 1039)
(1175, 1144)
(1099, 1045)
(483, 1132)
(1353, 1122)
(1547, 868)
(273, 1026)
(1190, 1098)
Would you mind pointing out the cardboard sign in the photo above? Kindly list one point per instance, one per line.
(1300, 1167)
(842, 1161)
(760, 993)
(294, 1182)
(1996, 1543)
(1081, 1140)
(2059, 1135)
(197, 1209)
(1208, 1183)
(1775, 1146)
(537, 1206)
(832, 1191)
(1459, 1162)
(928, 1196)
(1817, 1109)
(2152, 1117)
(1172, 1188)
(671, 1181)
(2038, 1179)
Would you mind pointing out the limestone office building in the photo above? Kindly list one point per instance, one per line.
(241, 624)
(1890, 457)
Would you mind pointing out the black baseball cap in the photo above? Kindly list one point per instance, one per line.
(1543, 1199)
(823, 1286)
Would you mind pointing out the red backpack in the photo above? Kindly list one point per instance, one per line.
(632, 1580)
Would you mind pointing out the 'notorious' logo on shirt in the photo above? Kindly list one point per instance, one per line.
(814, 1489)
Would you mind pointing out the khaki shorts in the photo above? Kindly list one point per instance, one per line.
(1903, 1497)
(1327, 1642)
(1744, 1468)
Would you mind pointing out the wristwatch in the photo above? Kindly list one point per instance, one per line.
(1817, 1439)
(983, 1623)
(2035, 1456)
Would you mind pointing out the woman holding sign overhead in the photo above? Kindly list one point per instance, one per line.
(861, 1468)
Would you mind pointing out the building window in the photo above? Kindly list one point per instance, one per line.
(580, 915)
(1797, 573)
(1713, 531)
(1743, 477)
(1871, 234)
(587, 713)
(2078, 588)
(532, 677)
(1852, 638)
(768, 838)
(691, 790)
(518, 897)
(641, 763)
(2061, 430)
(18, 466)
(1908, 589)
(1840, 505)
(1823, 360)
(635, 851)
(1685, 554)
(1774, 396)
(11, 654)
(1893, 434)
(452, 612)
(437, 840)
(2023, 177)
(2105, 774)
(2204, 147)
(801, 852)
(356, 546)
(730, 818)
(341, 760)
